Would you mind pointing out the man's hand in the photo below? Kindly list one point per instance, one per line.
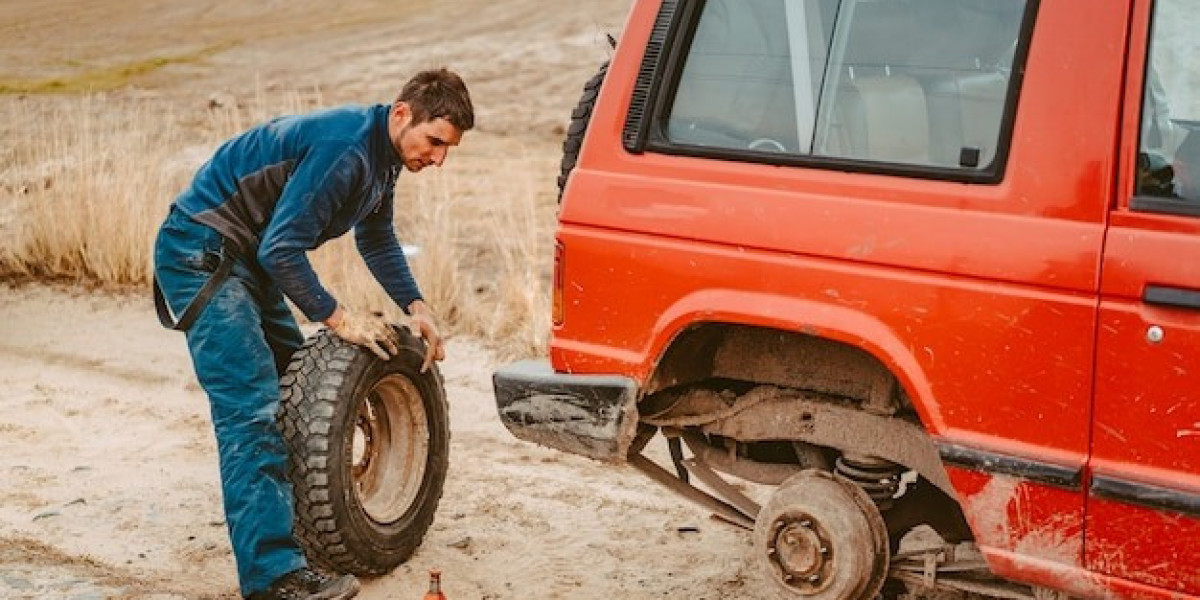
(365, 329)
(421, 322)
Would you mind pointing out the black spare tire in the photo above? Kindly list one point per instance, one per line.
(369, 444)
(580, 118)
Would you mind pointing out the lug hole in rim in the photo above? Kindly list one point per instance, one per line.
(363, 441)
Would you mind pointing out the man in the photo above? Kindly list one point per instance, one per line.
(234, 246)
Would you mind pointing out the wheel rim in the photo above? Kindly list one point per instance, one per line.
(389, 449)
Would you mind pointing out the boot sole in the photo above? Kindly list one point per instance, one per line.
(343, 588)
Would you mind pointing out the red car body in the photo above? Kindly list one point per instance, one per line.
(1044, 318)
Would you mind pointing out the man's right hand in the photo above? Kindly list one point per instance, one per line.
(365, 329)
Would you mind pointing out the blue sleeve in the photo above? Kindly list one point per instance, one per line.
(321, 183)
(376, 240)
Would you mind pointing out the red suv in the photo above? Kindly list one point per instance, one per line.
(914, 262)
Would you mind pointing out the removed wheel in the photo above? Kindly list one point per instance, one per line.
(821, 537)
(369, 442)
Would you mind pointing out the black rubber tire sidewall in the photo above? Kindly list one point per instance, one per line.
(580, 118)
(321, 388)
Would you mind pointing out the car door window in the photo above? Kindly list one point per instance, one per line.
(926, 83)
(1169, 148)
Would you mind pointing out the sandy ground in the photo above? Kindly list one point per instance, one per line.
(108, 482)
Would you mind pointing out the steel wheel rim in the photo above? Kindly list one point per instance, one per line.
(389, 449)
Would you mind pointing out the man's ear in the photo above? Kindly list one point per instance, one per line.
(401, 113)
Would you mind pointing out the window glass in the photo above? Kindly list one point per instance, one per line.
(1169, 154)
(915, 82)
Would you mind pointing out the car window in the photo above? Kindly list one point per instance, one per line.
(910, 82)
(1169, 149)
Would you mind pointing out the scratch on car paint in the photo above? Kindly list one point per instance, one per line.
(1111, 431)
(1181, 433)
(1162, 566)
(1110, 556)
(1060, 545)
(862, 250)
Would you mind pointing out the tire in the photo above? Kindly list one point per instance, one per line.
(369, 444)
(580, 117)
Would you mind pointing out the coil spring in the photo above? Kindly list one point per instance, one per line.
(879, 478)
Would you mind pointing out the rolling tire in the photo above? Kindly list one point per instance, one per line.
(580, 117)
(369, 444)
(820, 537)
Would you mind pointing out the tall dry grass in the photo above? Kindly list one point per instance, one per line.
(84, 186)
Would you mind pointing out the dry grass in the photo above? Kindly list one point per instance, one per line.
(86, 185)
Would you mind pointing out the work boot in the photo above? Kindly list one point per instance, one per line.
(307, 584)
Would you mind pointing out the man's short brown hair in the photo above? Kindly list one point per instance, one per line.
(439, 93)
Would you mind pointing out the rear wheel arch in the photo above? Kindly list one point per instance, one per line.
(813, 376)
(771, 356)
(803, 371)
(695, 334)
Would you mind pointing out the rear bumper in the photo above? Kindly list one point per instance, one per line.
(589, 415)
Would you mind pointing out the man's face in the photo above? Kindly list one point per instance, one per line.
(422, 144)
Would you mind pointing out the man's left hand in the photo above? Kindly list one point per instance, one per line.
(422, 323)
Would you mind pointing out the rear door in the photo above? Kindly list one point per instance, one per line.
(1143, 514)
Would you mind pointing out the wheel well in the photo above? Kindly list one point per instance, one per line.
(771, 356)
(723, 388)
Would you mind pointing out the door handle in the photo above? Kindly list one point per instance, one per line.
(1171, 296)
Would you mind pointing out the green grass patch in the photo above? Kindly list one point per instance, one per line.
(105, 78)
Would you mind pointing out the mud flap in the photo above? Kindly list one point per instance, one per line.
(590, 415)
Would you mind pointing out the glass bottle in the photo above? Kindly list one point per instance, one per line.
(435, 586)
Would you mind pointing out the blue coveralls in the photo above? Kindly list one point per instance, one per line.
(268, 196)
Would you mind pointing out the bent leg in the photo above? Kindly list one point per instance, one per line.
(236, 367)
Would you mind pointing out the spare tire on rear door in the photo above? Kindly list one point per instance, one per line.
(580, 118)
(369, 442)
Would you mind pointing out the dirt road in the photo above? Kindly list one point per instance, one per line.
(108, 482)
